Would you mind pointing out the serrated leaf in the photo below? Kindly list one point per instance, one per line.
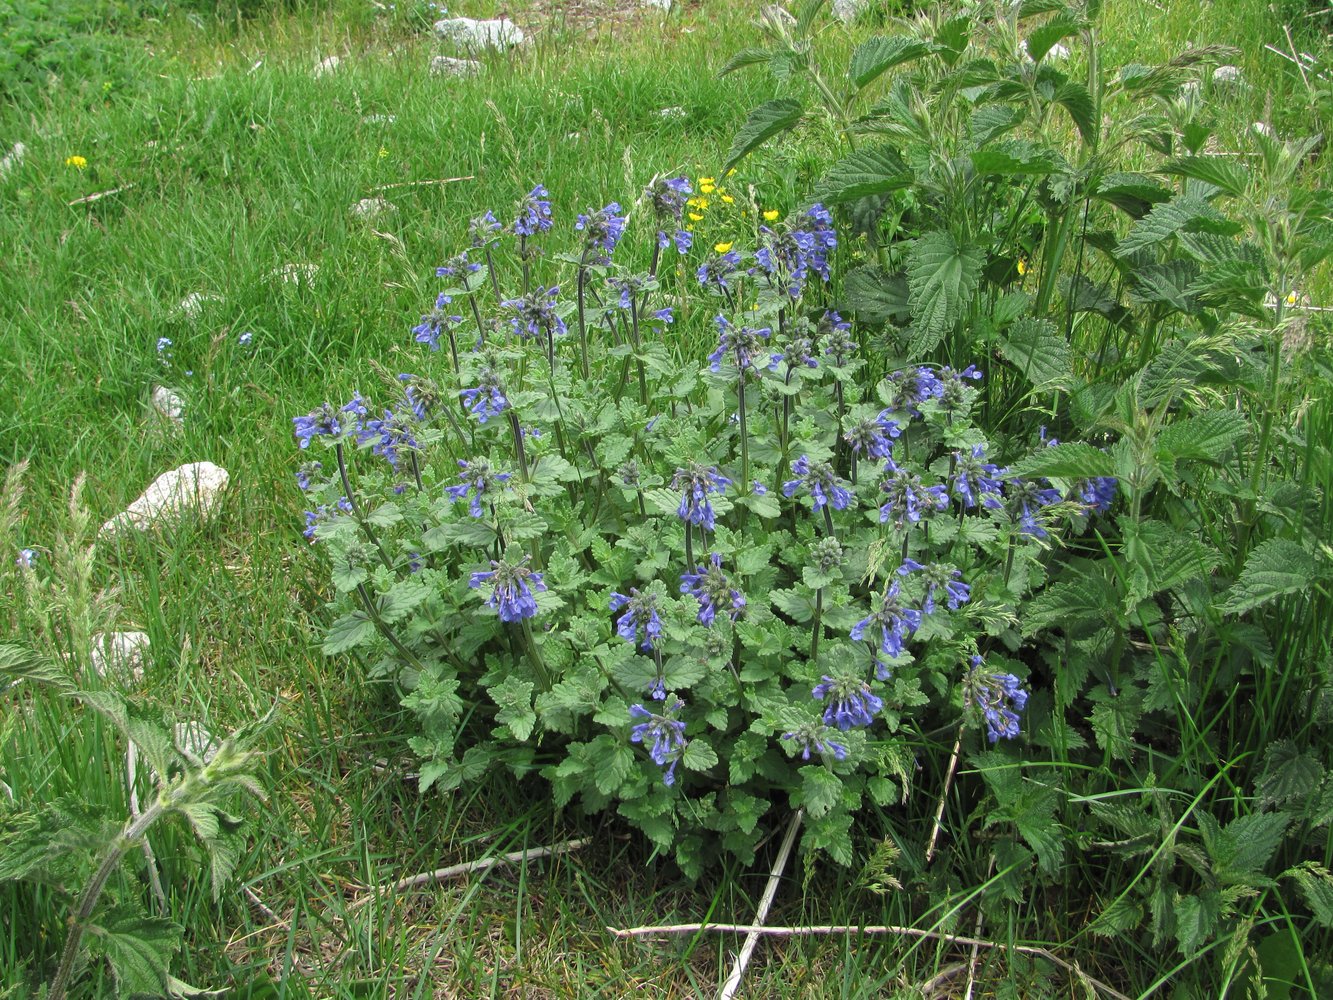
(1072, 460)
(769, 119)
(610, 763)
(472, 531)
(1289, 774)
(1241, 850)
(1132, 193)
(820, 790)
(992, 121)
(347, 632)
(698, 755)
(1115, 719)
(224, 854)
(1077, 102)
(1196, 920)
(1275, 567)
(514, 698)
(1120, 915)
(875, 297)
(1042, 38)
(400, 599)
(1158, 558)
(1015, 158)
(1035, 348)
(139, 949)
(1205, 436)
(872, 171)
(385, 515)
(881, 53)
(743, 58)
(1184, 213)
(942, 278)
(1316, 885)
(1221, 172)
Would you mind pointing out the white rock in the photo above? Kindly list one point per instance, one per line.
(327, 65)
(449, 66)
(197, 487)
(467, 33)
(192, 306)
(169, 405)
(13, 158)
(119, 653)
(370, 209)
(379, 119)
(663, 5)
(1189, 91)
(196, 741)
(846, 10)
(1263, 129)
(1057, 53)
(1226, 74)
(294, 274)
(672, 113)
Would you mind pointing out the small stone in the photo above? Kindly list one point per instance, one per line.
(449, 66)
(1057, 53)
(294, 274)
(192, 306)
(379, 119)
(663, 5)
(197, 487)
(1263, 129)
(370, 209)
(119, 653)
(13, 158)
(672, 114)
(193, 740)
(1227, 74)
(167, 404)
(327, 66)
(471, 34)
(847, 10)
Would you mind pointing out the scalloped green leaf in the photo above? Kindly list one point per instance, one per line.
(769, 119)
(881, 53)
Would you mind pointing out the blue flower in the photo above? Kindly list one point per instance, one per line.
(790, 257)
(434, 322)
(798, 351)
(534, 213)
(641, 614)
(696, 482)
(663, 735)
(668, 196)
(245, 338)
(873, 437)
(26, 558)
(487, 399)
(479, 229)
(458, 265)
(421, 394)
(909, 498)
(323, 422)
(977, 480)
(815, 739)
(535, 314)
(477, 480)
(953, 384)
(512, 587)
(163, 345)
(849, 702)
(602, 229)
(911, 387)
(1098, 493)
(1025, 499)
(1000, 697)
(895, 622)
(937, 575)
(710, 586)
(305, 473)
(743, 345)
(718, 272)
(822, 483)
(834, 334)
(388, 435)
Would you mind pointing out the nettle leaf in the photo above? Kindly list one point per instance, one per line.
(139, 949)
(875, 297)
(873, 171)
(1206, 436)
(1073, 460)
(798, 606)
(1042, 38)
(992, 121)
(1016, 158)
(1115, 719)
(1158, 558)
(1036, 349)
(1275, 567)
(400, 599)
(942, 278)
(1133, 193)
(881, 53)
(769, 119)
(1242, 849)
(1196, 920)
(348, 632)
(514, 698)
(385, 515)
(820, 790)
(743, 58)
(1289, 774)
(1069, 604)
(1316, 885)
(1077, 102)
(1222, 172)
(1185, 213)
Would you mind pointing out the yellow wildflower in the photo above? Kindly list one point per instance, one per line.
(696, 217)
(731, 172)
(707, 180)
(699, 203)
(722, 247)
(77, 162)
(1291, 298)
(1023, 267)
(771, 215)
(383, 152)
(728, 198)
(707, 188)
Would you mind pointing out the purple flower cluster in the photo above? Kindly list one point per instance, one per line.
(458, 265)
(895, 622)
(798, 351)
(873, 437)
(820, 481)
(848, 701)
(1025, 499)
(835, 335)
(388, 435)
(487, 399)
(743, 344)
(663, 735)
(937, 575)
(712, 588)
(696, 482)
(1098, 493)
(791, 257)
(478, 480)
(911, 387)
(421, 394)
(908, 497)
(976, 480)
(602, 231)
(815, 739)
(306, 473)
(640, 614)
(534, 213)
(535, 314)
(321, 422)
(513, 584)
(668, 195)
(719, 272)
(479, 230)
(313, 518)
(953, 386)
(1000, 697)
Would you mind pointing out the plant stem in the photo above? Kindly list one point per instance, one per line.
(519, 455)
(818, 625)
(537, 660)
(356, 507)
(944, 794)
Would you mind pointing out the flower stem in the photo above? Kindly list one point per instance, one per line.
(519, 455)
(356, 507)
(537, 660)
(818, 626)
(583, 328)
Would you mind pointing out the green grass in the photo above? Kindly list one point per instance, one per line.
(232, 161)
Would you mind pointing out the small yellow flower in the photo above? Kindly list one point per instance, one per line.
(707, 180)
(699, 203)
(383, 152)
(696, 217)
(77, 162)
(1291, 298)
(707, 188)
(1023, 267)
(728, 198)
(731, 172)
(722, 247)
(771, 215)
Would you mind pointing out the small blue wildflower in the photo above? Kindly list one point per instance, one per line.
(696, 482)
(758, 488)
(602, 230)
(999, 697)
(668, 196)
(478, 479)
(512, 587)
(873, 437)
(742, 345)
(323, 422)
(798, 351)
(245, 338)
(664, 315)
(305, 474)
(822, 483)
(849, 702)
(895, 622)
(975, 480)
(718, 272)
(1098, 493)
(953, 386)
(487, 399)
(911, 387)
(534, 213)
(937, 575)
(26, 558)
(458, 265)
(434, 323)
(815, 739)
(663, 735)
(415, 562)
(535, 313)
(789, 257)
(711, 587)
(388, 435)
(641, 614)
(908, 497)
(1025, 499)
(163, 345)
(480, 229)
(835, 336)
(421, 394)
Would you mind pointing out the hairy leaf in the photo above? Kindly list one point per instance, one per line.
(1289, 774)
(138, 947)
(765, 121)
(743, 58)
(881, 53)
(1072, 460)
(876, 170)
(942, 278)
(1185, 213)
(1224, 173)
(875, 297)
(1035, 348)
(1206, 436)
(1275, 567)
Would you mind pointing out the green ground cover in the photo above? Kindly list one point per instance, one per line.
(199, 154)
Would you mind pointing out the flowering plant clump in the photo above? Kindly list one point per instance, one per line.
(690, 587)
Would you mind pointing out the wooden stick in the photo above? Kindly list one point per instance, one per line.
(944, 795)
(467, 867)
(438, 180)
(99, 195)
(818, 929)
(733, 982)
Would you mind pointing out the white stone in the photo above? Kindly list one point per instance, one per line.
(663, 5)
(197, 487)
(193, 740)
(1057, 53)
(168, 404)
(449, 66)
(467, 33)
(370, 209)
(672, 113)
(846, 10)
(294, 274)
(13, 158)
(192, 306)
(119, 653)
(379, 119)
(1226, 74)
(327, 65)
(1263, 129)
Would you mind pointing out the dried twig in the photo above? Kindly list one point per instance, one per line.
(408, 184)
(259, 905)
(944, 794)
(820, 929)
(733, 981)
(99, 195)
(468, 867)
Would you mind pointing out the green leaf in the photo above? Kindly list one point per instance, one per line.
(1115, 719)
(610, 762)
(875, 297)
(1185, 213)
(1076, 100)
(1040, 353)
(1132, 193)
(1158, 558)
(820, 790)
(743, 58)
(1289, 774)
(1073, 460)
(1196, 920)
(698, 755)
(347, 632)
(881, 53)
(21, 662)
(1242, 849)
(871, 171)
(1275, 567)
(992, 121)
(472, 531)
(1015, 158)
(402, 598)
(795, 604)
(1042, 38)
(1206, 436)
(514, 698)
(1317, 887)
(346, 577)
(1221, 172)
(524, 525)
(765, 121)
(942, 278)
(385, 515)
(139, 949)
